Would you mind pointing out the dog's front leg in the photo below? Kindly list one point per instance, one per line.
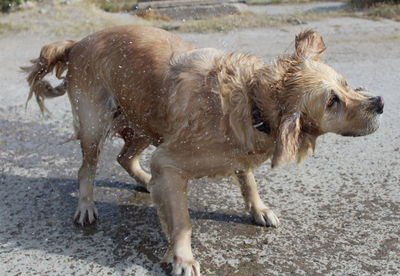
(261, 214)
(168, 189)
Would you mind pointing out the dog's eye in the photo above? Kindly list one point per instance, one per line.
(333, 100)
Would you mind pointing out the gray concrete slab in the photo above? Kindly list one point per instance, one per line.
(340, 210)
(287, 9)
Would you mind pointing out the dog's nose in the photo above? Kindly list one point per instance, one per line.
(379, 104)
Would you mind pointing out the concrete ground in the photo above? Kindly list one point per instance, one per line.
(313, 7)
(340, 210)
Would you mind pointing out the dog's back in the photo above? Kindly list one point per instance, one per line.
(129, 63)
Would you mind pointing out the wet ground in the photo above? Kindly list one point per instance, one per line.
(340, 210)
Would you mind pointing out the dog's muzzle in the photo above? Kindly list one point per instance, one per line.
(378, 104)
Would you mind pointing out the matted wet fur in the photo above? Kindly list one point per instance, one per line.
(209, 113)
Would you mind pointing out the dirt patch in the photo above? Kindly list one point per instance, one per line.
(73, 18)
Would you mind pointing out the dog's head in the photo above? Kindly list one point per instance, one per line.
(314, 99)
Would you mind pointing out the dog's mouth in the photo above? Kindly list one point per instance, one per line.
(372, 126)
(350, 134)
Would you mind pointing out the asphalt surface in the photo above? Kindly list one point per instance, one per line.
(340, 210)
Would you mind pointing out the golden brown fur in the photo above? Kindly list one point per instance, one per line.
(197, 106)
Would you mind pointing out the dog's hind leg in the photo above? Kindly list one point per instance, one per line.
(261, 214)
(129, 157)
(94, 123)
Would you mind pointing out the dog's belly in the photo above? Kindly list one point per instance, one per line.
(213, 160)
(219, 166)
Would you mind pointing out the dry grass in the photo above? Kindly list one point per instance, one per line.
(83, 17)
(385, 11)
(115, 5)
(152, 15)
(360, 4)
(269, 2)
(12, 28)
(75, 20)
(227, 23)
(86, 18)
(246, 20)
(377, 9)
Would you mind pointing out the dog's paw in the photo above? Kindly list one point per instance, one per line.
(185, 268)
(265, 217)
(86, 213)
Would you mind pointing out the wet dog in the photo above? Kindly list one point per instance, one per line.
(209, 113)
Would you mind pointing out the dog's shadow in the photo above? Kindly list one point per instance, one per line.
(38, 214)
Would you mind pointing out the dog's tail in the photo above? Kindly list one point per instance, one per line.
(52, 57)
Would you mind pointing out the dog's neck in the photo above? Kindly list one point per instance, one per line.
(259, 122)
(264, 105)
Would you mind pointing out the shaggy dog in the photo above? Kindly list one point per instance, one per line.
(209, 113)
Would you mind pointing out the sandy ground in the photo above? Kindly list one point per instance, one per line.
(340, 210)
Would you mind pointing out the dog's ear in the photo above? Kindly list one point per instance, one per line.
(235, 105)
(309, 45)
(288, 140)
(308, 142)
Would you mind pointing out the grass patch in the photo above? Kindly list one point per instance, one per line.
(377, 9)
(115, 5)
(152, 15)
(385, 11)
(11, 28)
(83, 17)
(263, 2)
(272, 2)
(74, 20)
(227, 23)
(245, 20)
(360, 4)
(5, 27)
(242, 21)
